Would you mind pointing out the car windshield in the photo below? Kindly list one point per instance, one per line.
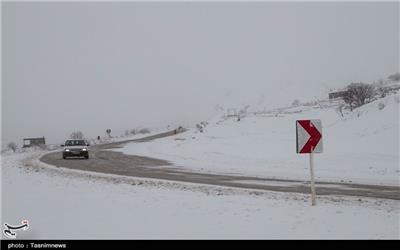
(75, 143)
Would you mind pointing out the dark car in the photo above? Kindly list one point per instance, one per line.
(75, 148)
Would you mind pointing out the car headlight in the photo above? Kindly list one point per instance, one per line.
(84, 149)
(67, 149)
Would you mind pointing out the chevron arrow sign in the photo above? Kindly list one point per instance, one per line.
(309, 136)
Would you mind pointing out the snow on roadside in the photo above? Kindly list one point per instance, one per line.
(65, 204)
(362, 147)
(105, 140)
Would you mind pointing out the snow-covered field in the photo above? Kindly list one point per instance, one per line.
(63, 204)
(362, 146)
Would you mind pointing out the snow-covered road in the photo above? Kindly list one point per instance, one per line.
(104, 160)
(61, 204)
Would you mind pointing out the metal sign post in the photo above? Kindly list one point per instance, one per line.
(313, 194)
(309, 141)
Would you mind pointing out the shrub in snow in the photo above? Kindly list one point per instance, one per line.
(180, 129)
(200, 127)
(143, 131)
(296, 103)
(12, 146)
(381, 106)
(394, 77)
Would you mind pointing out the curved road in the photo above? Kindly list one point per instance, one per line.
(106, 161)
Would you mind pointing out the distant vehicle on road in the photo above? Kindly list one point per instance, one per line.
(75, 148)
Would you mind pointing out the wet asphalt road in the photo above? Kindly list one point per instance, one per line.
(109, 162)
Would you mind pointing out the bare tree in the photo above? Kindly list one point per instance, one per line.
(12, 146)
(358, 94)
(76, 135)
(340, 109)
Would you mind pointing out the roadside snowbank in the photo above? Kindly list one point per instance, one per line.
(361, 147)
(64, 204)
(105, 140)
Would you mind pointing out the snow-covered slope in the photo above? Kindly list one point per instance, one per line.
(360, 147)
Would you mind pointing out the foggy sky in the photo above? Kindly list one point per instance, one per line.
(93, 66)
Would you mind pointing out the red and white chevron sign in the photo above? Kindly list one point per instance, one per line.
(309, 136)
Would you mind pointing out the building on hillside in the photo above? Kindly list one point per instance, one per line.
(337, 94)
(30, 142)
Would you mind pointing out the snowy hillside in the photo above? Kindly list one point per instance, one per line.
(360, 147)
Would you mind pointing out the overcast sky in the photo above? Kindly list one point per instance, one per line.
(93, 66)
